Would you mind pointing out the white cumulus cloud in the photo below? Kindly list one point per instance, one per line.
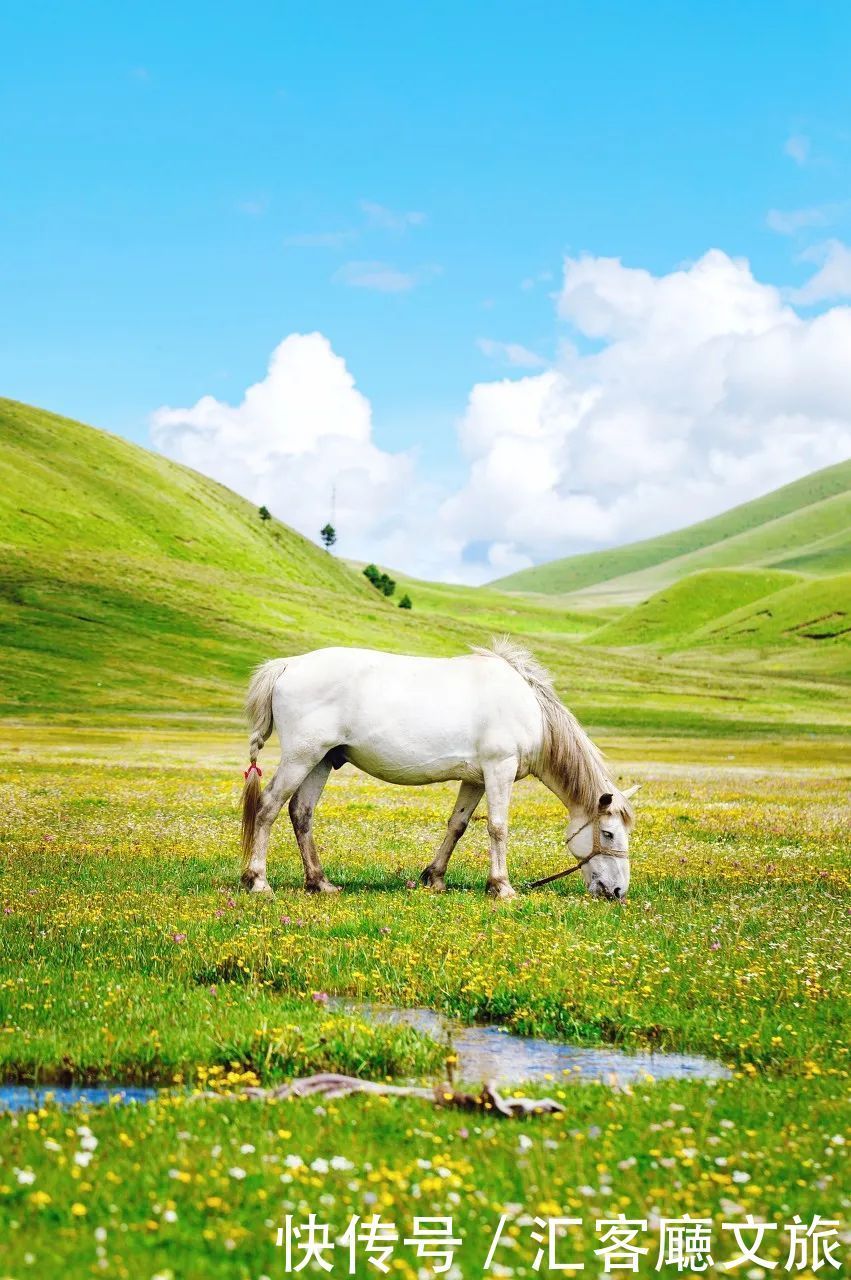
(302, 430)
(673, 397)
(682, 395)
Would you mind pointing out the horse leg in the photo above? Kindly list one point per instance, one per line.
(499, 780)
(288, 777)
(302, 804)
(468, 797)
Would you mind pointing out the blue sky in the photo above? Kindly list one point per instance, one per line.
(184, 186)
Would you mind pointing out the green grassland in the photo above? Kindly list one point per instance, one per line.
(135, 597)
(806, 523)
(128, 955)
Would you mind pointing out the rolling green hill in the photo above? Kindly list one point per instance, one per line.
(773, 620)
(133, 590)
(804, 613)
(673, 615)
(126, 579)
(496, 611)
(805, 525)
(65, 486)
(818, 536)
(134, 587)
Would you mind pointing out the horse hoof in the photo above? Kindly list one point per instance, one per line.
(433, 881)
(262, 886)
(501, 889)
(323, 886)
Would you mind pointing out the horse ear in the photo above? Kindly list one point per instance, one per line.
(630, 791)
(605, 800)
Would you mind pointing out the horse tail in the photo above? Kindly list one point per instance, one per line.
(258, 710)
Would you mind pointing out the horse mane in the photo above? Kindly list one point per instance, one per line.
(567, 753)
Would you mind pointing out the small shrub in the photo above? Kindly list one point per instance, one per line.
(406, 602)
(381, 581)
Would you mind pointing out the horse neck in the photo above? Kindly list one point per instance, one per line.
(570, 765)
(567, 795)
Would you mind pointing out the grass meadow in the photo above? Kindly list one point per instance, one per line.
(129, 955)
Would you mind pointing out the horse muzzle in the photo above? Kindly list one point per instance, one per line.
(614, 894)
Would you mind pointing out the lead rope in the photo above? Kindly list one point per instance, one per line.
(596, 849)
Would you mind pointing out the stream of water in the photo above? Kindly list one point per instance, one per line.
(490, 1053)
(484, 1054)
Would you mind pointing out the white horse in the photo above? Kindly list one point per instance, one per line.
(484, 719)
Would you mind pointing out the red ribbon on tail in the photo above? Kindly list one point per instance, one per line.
(256, 769)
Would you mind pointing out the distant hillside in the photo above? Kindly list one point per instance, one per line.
(495, 611)
(131, 586)
(806, 614)
(778, 620)
(673, 615)
(128, 580)
(816, 540)
(805, 525)
(134, 590)
(65, 486)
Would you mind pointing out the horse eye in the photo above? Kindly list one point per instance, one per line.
(609, 835)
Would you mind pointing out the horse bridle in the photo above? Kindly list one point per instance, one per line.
(596, 849)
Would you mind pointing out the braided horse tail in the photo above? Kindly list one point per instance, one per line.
(258, 710)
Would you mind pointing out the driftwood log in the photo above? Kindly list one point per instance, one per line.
(329, 1085)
